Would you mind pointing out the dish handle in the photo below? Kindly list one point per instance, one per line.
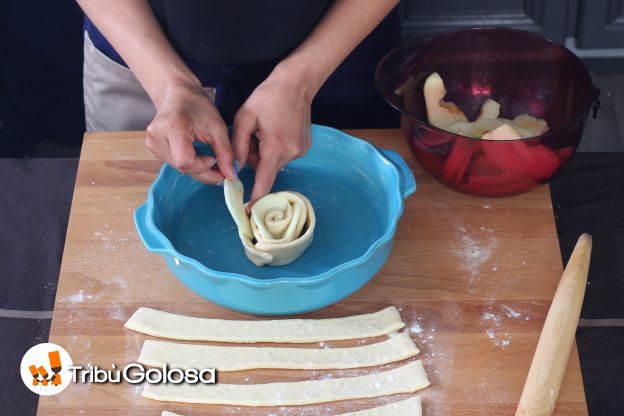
(146, 230)
(408, 182)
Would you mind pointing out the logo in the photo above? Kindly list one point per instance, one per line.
(45, 369)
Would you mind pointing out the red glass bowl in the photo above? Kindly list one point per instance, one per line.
(524, 72)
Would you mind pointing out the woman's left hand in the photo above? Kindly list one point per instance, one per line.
(278, 114)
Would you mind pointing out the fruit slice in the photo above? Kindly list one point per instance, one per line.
(539, 162)
(536, 125)
(489, 110)
(503, 154)
(536, 162)
(483, 166)
(439, 112)
(457, 161)
(503, 132)
(482, 126)
(461, 127)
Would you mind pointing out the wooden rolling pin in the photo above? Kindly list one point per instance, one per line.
(555, 343)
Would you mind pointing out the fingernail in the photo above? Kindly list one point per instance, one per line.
(213, 163)
(236, 168)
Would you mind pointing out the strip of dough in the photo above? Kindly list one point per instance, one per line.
(172, 326)
(405, 379)
(157, 353)
(407, 407)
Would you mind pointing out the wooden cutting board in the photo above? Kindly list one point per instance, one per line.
(473, 278)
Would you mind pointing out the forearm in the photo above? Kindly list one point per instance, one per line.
(131, 27)
(342, 28)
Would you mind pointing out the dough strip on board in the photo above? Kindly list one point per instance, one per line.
(405, 379)
(172, 326)
(407, 407)
(157, 353)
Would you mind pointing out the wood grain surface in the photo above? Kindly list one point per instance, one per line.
(473, 278)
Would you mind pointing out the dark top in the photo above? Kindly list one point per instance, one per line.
(236, 31)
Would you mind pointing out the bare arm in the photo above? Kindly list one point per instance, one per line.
(184, 111)
(344, 26)
(131, 27)
(278, 111)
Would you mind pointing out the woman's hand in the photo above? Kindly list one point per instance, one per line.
(184, 111)
(278, 111)
(278, 114)
(184, 114)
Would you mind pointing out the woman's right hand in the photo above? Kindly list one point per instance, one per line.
(184, 114)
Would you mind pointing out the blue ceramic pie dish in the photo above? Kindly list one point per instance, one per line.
(358, 194)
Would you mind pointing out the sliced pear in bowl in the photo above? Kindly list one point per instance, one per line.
(439, 112)
(461, 127)
(446, 115)
(503, 132)
(490, 109)
(536, 125)
(483, 126)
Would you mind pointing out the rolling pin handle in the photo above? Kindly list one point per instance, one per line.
(557, 338)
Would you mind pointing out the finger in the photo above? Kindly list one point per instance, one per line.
(184, 157)
(211, 177)
(160, 149)
(244, 127)
(222, 147)
(267, 170)
(204, 164)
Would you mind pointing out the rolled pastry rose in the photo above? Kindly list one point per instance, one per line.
(280, 229)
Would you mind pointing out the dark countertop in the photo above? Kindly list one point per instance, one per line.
(588, 196)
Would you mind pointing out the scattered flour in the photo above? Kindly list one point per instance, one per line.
(510, 312)
(95, 289)
(473, 254)
(116, 313)
(415, 328)
(75, 298)
(495, 318)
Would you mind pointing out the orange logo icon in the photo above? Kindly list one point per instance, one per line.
(51, 377)
(55, 366)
